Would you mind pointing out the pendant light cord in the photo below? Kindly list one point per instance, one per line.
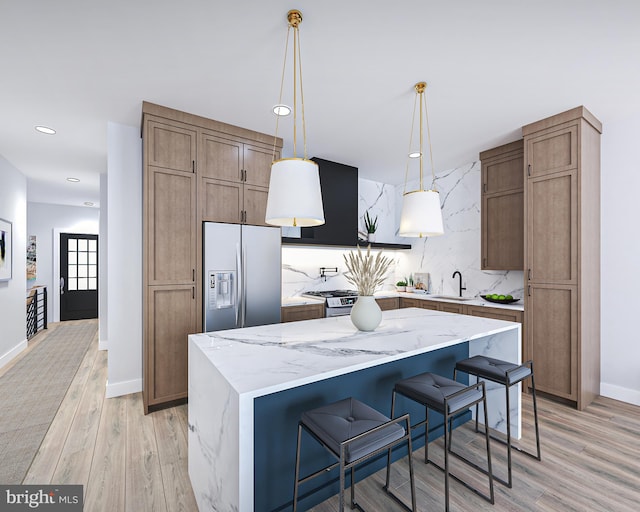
(433, 175)
(284, 67)
(413, 124)
(297, 70)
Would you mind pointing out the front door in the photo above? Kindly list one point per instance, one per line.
(78, 276)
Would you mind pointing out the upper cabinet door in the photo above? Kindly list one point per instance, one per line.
(503, 168)
(171, 145)
(502, 213)
(220, 158)
(553, 150)
(257, 165)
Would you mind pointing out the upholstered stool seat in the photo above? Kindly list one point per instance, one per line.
(353, 432)
(449, 398)
(507, 374)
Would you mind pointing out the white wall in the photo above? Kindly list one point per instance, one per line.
(13, 208)
(46, 222)
(620, 251)
(103, 268)
(124, 254)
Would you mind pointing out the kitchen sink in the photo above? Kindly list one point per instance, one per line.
(452, 297)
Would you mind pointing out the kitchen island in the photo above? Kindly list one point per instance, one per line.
(248, 387)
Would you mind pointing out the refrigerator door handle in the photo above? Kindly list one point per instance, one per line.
(239, 284)
(244, 285)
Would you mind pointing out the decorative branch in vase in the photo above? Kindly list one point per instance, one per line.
(366, 272)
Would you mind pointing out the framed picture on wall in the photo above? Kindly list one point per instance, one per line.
(6, 250)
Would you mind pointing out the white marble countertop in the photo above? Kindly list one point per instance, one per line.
(300, 301)
(256, 361)
(475, 301)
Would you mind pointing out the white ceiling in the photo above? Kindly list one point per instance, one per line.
(491, 66)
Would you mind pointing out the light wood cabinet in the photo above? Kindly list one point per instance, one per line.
(509, 315)
(235, 179)
(552, 228)
(562, 254)
(194, 169)
(170, 145)
(418, 303)
(502, 211)
(387, 303)
(302, 312)
(171, 318)
(170, 226)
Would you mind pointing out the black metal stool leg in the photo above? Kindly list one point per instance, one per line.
(509, 481)
(535, 414)
(486, 432)
(446, 462)
(295, 485)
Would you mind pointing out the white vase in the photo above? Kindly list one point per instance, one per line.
(371, 237)
(366, 314)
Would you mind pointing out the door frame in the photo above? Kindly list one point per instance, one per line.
(55, 286)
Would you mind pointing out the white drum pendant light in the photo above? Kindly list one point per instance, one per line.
(294, 197)
(421, 211)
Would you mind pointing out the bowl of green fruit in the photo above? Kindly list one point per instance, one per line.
(499, 298)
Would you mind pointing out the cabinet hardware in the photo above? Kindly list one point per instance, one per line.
(529, 274)
(193, 274)
(193, 166)
(528, 169)
(484, 187)
(529, 290)
(484, 262)
(193, 292)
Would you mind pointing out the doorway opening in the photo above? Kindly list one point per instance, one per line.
(78, 276)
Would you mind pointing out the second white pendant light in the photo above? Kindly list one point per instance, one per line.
(421, 211)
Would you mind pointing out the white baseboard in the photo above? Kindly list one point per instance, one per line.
(123, 388)
(631, 396)
(103, 345)
(8, 356)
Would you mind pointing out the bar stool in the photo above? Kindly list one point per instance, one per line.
(507, 374)
(353, 432)
(449, 398)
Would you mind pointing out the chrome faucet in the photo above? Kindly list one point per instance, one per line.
(460, 276)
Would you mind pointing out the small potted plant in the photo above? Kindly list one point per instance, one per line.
(371, 225)
(401, 286)
(410, 287)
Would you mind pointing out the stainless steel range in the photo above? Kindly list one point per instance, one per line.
(337, 302)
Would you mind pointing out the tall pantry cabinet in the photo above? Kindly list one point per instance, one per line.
(194, 170)
(562, 254)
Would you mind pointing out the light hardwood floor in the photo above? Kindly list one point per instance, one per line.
(131, 462)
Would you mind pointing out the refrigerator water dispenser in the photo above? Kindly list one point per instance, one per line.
(221, 295)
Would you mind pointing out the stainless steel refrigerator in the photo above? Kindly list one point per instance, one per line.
(242, 275)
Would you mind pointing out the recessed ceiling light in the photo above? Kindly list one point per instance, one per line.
(281, 110)
(73, 180)
(415, 154)
(88, 203)
(45, 129)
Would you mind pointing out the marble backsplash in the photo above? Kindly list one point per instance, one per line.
(457, 249)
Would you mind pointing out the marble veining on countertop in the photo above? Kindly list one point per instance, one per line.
(270, 358)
